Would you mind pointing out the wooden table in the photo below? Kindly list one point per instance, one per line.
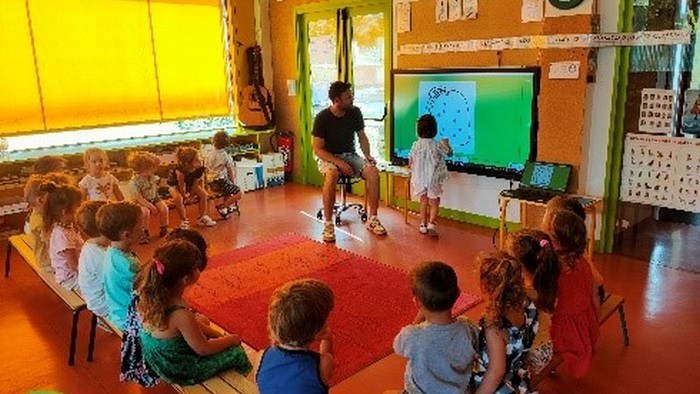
(589, 205)
(396, 171)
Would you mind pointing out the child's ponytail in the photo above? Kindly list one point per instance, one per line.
(534, 250)
(59, 198)
(159, 279)
(501, 277)
(568, 231)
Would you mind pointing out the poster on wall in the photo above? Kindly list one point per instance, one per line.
(661, 171)
(656, 111)
(532, 11)
(469, 9)
(403, 17)
(690, 123)
(441, 13)
(454, 10)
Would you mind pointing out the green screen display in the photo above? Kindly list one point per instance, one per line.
(489, 116)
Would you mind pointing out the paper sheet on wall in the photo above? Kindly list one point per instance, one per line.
(403, 17)
(532, 11)
(469, 9)
(656, 111)
(454, 10)
(564, 70)
(440, 11)
(661, 171)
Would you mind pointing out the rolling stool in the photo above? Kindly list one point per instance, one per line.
(345, 183)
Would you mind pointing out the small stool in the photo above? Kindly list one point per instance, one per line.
(345, 183)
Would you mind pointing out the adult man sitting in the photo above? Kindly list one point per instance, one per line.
(334, 146)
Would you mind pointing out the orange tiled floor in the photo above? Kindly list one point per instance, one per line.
(661, 308)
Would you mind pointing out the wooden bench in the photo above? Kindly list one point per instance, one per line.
(72, 299)
(612, 303)
(227, 382)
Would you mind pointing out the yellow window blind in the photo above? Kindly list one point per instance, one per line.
(110, 62)
(190, 58)
(95, 62)
(20, 107)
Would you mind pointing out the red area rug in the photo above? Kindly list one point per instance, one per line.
(372, 301)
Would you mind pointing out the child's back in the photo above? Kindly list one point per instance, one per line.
(440, 356)
(575, 327)
(120, 269)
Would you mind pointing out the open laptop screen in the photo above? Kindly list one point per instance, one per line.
(549, 176)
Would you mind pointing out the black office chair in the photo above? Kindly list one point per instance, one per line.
(341, 204)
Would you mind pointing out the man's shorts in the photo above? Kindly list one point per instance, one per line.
(355, 161)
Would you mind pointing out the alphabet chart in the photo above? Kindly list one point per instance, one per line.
(661, 171)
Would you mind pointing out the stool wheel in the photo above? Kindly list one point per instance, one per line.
(319, 215)
(363, 216)
(338, 222)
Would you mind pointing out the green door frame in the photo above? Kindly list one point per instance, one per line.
(302, 16)
(616, 143)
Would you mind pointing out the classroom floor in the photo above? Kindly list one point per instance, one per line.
(661, 307)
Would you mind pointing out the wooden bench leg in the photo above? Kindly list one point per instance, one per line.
(73, 337)
(623, 324)
(7, 259)
(91, 339)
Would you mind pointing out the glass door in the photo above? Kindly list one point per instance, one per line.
(321, 33)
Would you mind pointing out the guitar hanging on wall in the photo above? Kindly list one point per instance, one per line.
(256, 111)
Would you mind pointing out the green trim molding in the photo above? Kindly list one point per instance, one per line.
(616, 133)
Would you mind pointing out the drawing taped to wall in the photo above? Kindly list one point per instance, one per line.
(691, 113)
(452, 105)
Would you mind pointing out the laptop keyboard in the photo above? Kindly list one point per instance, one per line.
(530, 194)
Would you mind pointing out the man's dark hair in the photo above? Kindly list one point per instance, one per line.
(427, 126)
(337, 88)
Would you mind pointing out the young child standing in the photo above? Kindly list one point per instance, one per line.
(221, 173)
(121, 223)
(62, 202)
(575, 327)
(428, 171)
(98, 184)
(440, 348)
(144, 192)
(174, 345)
(185, 183)
(508, 327)
(91, 260)
(297, 317)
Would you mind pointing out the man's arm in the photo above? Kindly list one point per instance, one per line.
(364, 145)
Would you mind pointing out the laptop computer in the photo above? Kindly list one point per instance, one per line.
(541, 181)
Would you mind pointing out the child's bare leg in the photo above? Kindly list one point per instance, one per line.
(179, 203)
(232, 199)
(203, 203)
(145, 217)
(163, 213)
(434, 207)
(424, 209)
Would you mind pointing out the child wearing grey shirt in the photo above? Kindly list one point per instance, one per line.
(440, 348)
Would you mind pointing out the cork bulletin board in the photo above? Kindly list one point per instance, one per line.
(561, 102)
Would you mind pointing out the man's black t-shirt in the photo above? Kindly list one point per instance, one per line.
(338, 133)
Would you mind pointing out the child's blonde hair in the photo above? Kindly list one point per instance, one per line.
(116, 217)
(569, 234)
(298, 311)
(47, 164)
(95, 151)
(434, 284)
(141, 161)
(534, 250)
(185, 156)
(220, 140)
(157, 279)
(59, 199)
(86, 218)
(500, 276)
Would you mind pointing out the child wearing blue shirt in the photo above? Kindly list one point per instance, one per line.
(296, 318)
(121, 224)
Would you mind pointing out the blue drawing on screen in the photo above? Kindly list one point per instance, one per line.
(542, 176)
(452, 105)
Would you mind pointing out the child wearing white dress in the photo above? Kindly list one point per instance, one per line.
(428, 171)
(98, 184)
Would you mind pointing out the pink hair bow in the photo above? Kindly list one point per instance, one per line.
(160, 268)
(543, 243)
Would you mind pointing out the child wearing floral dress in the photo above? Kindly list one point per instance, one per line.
(428, 171)
(144, 192)
(62, 202)
(508, 327)
(98, 184)
(174, 345)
